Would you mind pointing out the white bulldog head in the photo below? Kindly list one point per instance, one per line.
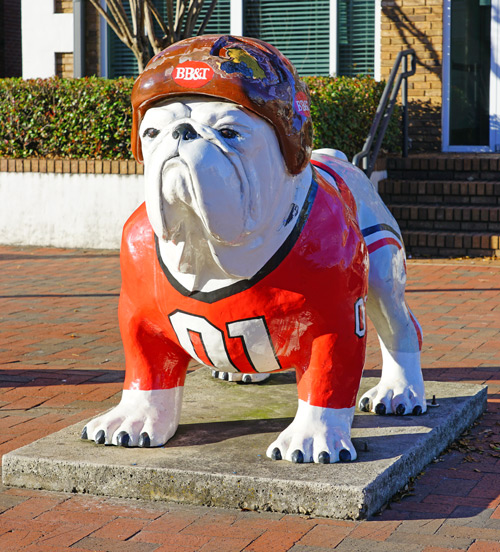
(216, 179)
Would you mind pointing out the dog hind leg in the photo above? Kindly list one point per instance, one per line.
(401, 387)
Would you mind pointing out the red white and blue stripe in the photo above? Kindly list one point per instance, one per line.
(378, 235)
(418, 328)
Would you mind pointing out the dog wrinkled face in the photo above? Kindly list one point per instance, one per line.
(212, 170)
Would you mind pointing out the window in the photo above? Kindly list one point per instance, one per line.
(121, 60)
(299, 29)
(356, 37)
(219, 22)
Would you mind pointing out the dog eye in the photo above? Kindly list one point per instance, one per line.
(228, 133)
(150, 133)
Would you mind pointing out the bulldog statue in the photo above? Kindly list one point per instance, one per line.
(250, 259)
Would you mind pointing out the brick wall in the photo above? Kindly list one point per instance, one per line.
(417, 24)
(72, 166)
(10, 38)
(63, 6)
(64, 65)
(92, 41)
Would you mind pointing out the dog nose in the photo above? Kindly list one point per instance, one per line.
(184, 131)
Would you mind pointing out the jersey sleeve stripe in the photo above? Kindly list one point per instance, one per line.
(381, 242)
(378, 228)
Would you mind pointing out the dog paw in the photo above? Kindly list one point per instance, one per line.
(239, 377)
(401, 389)
(141, 419)
(397, 398)
(320, 435)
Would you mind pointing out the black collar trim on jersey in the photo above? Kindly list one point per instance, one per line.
(242, 285)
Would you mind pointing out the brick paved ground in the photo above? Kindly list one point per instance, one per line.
(61, 361)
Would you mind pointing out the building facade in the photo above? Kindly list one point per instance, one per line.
(454, 96)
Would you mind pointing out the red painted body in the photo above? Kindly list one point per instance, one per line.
(305, 297)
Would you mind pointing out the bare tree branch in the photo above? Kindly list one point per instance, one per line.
(111, 22)
(166, 29)
(170, 14)
(134, 14)
(150, 30)
(188, 29)
(181, 10)
(137, 31)
(117, 11)
(208, 15)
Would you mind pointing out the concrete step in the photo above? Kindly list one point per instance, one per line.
(451, 244)
(440, 192)
(445, 167)
(456, 218)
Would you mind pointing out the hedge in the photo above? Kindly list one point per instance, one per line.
(343, 109)
(91, 117)
(55, 117)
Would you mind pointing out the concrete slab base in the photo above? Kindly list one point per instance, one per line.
(217, 457)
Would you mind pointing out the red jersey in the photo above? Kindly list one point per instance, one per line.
(304, 309)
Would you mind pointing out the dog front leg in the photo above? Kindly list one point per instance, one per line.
(317, 434)
(141, 419)
(321, 429)
(149, 411)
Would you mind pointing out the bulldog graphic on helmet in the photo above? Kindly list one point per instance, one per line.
(253, 254)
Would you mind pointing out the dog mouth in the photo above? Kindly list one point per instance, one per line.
(200, 181)
(176, 181)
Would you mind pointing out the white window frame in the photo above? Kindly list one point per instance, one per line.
(378, 40)
(103, 30)
(494, 107)
(236, 21)
(495, 80)
(333, 38)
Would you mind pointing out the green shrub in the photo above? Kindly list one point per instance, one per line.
(92, 117)
(343, 109)
(65, 118)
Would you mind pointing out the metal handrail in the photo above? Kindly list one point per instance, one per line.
(364, 159)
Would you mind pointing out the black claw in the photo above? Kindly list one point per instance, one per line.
(100, 437)
(344, 455)
(297, 457)
(324, 457)
(364, 405)
(400, 410)
(276, 454)
(144, 440)
(123, 439)
(380, 409)
(417, 410)
(84, 434)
